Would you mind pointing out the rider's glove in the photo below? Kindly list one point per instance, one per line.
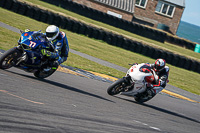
(27, 30)
(133, 64)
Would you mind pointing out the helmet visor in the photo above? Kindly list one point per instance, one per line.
(50, 35)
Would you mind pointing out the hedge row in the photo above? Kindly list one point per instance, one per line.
(122, 24)
(181, 42)
(93, 32)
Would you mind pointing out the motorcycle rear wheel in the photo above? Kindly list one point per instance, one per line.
(116, 87)
(42, 74)
(145, 97)
(9, 58)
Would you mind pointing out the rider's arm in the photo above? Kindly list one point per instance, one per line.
(161, 82)
(62, 48)
(159, 86)
(58, 47)
(65, 49)
(152, 66)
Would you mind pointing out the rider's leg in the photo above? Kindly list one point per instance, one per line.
(52, 55)
(49, 54)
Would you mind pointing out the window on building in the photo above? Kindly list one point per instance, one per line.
(165, 8)
(141, 3)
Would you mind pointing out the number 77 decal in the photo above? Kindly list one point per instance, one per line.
(32, 44)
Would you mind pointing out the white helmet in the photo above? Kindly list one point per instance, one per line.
(52, 32)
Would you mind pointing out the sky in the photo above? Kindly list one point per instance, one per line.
(191, 13)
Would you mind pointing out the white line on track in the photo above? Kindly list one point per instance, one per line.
(155, 128)
(74, 105)
(3, 74)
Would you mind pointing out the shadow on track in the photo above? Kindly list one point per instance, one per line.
(62, 86)
(160, 109)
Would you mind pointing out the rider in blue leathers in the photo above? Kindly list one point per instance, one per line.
(60, 44)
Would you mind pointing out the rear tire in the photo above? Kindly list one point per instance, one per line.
(116, 87)
(145, 97)
(42, 74)
(9, 58)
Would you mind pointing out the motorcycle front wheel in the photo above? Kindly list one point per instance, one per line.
(9, 58)
(116, 87)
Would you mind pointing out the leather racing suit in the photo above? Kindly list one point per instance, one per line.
(161, 79)
(61, 47)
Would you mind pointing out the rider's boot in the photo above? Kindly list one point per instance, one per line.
(55, 64)
(150, 92)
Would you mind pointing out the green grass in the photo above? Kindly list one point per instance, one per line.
(181, 78)
(166, 46)
(85, 64)
(8, 39)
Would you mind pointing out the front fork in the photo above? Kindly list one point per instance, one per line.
(17, 56)
(22, 58)
(129, 85)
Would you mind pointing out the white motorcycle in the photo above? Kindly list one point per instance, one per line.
(135, 83)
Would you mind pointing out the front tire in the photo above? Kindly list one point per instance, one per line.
(116, 87)
(9, 58)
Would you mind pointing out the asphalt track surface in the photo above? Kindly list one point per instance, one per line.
(67, 103)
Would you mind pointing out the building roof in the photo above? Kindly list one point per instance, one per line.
(177, 2)
(128, 5)
(125, 5)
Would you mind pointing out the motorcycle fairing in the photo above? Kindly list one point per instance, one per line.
(32, 42)
(136, 74)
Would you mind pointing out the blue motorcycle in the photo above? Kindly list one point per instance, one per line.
(27, 55)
